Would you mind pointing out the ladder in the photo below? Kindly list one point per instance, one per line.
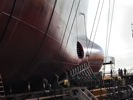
(80, 74)
(82, 70)
(2, 92)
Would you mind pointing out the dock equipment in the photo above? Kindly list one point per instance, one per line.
(74, 93)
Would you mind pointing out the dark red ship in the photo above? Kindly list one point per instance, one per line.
(40, 38)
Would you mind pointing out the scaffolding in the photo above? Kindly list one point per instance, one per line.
(109, 61)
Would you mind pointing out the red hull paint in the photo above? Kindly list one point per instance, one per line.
(38, 38)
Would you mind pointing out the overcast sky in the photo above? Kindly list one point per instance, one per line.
(121, 40)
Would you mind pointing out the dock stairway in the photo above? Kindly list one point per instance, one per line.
(81, 75)
(81, 70)
(80, 93)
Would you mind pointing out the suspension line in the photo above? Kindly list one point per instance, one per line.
(109, 26)
(97, 26)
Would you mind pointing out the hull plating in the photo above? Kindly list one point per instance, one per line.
(38, 38)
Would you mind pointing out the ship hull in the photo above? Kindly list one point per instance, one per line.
(40, 38)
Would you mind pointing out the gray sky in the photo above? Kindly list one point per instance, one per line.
(121, 40)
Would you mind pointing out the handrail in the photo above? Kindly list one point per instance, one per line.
(83, 95)
(89, 93)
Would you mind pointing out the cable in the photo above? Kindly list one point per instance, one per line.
(65, 29)
(110, 27)
(94, 22)
(107, 30)
(85, 26)
(72, 26)
(97, 26)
